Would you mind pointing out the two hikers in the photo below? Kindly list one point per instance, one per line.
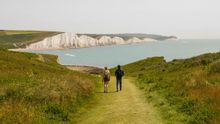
(106, 78)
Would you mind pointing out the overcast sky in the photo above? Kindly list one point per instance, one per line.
(183, 18)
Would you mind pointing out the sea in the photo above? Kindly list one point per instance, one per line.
(114, 55)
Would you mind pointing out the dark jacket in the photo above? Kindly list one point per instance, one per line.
(119, 73)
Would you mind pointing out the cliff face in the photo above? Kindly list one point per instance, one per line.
(72, 40)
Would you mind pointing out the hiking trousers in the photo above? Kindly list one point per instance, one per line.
(118, 82)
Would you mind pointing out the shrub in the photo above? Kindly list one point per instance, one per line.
(214, 67)
(56, 111)
(201, 116)
(188, 107)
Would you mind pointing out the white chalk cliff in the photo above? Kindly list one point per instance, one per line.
(72, 40)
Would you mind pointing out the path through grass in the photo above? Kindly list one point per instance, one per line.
(126, 107)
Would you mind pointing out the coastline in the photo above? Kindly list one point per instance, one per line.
(63, 48)
(80, 68)
(85, 69)
(39, 49)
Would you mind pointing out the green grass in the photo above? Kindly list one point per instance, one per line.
(184, 91)
(13, 32)
(36, 89)
(17, 39)
(124, 107)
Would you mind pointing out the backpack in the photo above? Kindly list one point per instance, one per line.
(106, 76)
(120, 73)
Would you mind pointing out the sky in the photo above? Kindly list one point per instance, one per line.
(182, 18)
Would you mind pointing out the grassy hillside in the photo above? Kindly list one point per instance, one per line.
(36, 89)
(14, 39)
(186, 91)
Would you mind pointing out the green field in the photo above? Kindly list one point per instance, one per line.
(17, 39)
(36, 89)
(184, 91)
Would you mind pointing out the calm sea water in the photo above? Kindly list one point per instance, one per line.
(123, 54)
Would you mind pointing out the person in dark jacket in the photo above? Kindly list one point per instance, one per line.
(119, 74)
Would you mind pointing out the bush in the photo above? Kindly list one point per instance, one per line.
(188, 107)
(57, 111)
(214, 67)
(201, 116)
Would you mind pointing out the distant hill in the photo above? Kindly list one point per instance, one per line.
(19, 39)
(72, 40)
(36, 40)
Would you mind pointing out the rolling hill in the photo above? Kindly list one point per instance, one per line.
(186, 90)
(34, 88)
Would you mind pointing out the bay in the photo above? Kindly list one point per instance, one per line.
(123, 54)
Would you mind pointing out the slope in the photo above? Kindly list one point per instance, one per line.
(185, 91)
(36, 89)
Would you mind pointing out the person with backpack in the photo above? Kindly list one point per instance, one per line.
(119, 74)
(106, 78)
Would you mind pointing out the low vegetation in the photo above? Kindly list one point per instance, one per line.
(186, 91)
(16, 39)
(34, 88)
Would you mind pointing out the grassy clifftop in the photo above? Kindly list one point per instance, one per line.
(36, 89)
(186, 91)
(14, 39)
